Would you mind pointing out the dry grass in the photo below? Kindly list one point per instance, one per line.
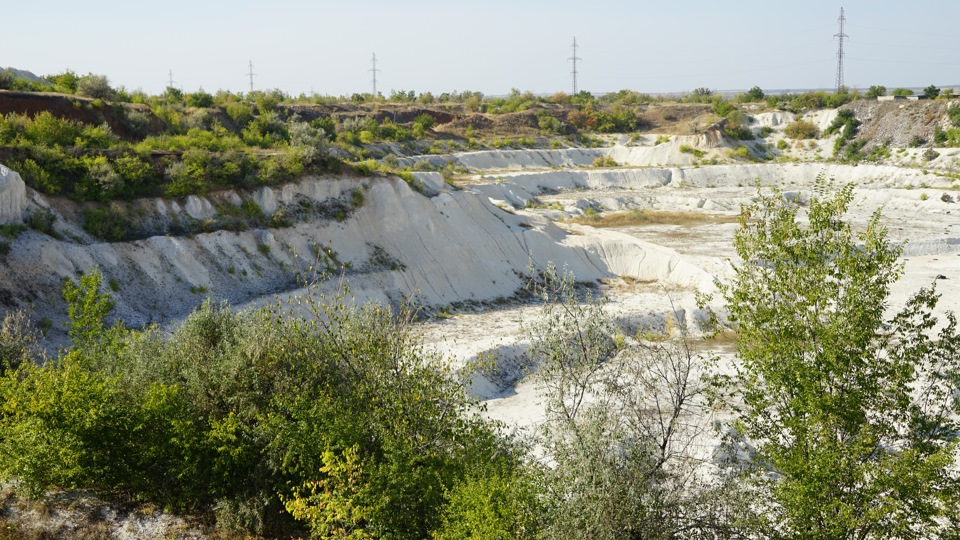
(633, 218)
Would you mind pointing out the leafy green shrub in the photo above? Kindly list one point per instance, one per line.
(356, 197)
(42, 220)
(902, 92)
(38, 177)
(953, 112)
(687, 149)
(241, 113)
(801, 129)
(19, 343)
(931, 92)
(47, 130)
(605, 161)
(95, 86)
(550, 125)
(108, 223)
(876, 91)
(184, 179)
(742, 152)
(102, 181)
(782, 145)
(200, 99)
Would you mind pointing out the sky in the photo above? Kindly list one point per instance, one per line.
(325, 47)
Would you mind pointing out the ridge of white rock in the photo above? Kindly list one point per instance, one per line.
(13, 196)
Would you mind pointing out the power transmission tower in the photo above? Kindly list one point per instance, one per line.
(251, 74)
(574, 59)
(171, 79)
(841, 36)
(374, 70)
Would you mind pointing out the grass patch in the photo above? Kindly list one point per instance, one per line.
(632, 218)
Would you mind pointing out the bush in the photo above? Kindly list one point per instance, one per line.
(801, 129)
(108, 223)
(95, 86)
(240, 113)
(350, 428)
(42, 220)
(931, 92)
(687, 149)
(200, 99)
(876, 91)
(47, 130)
(19, 342)
(185, 179)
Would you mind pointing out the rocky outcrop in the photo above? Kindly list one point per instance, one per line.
(13, 197)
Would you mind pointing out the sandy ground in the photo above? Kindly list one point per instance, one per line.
(927, 225)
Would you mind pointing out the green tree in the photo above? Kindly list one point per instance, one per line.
(902, 92)
(876, 91)
(755, 94)
(87, 308)
(931, 92)
(95, 86)
(619, 420)
(200, 99)
(850, 415)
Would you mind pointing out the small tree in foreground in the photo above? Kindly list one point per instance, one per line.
(621, 426)
(851, 414)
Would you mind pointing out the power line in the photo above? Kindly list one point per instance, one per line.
(574, 59)
(171, 79)
(251, 74)
(841, 36)
(374, 70)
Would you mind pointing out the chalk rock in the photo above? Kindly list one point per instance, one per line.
(266, 199)
(13, 196)
(199, 208)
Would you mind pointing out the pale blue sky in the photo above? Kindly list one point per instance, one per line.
(492, 46)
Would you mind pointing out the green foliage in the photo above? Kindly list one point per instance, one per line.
(19, 342)
(953, 112)
(65, 82)
(618, 470)
(876, 91)
(47, 130)
(185, 178)
(424, 120)
(801, 129)
(798, 103)
(755, 94)
(605, 161)
(851, 416)
(492, 505)
(108, 223)
(95, 86)
(42, 220)
(902, 92)
(342, 419)
(6, 80)
(550, 125)
(848, 126)
(699, 95)
(949, 137)
(931, 92)
(687, 149)
(200, 99)
(87, 308)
